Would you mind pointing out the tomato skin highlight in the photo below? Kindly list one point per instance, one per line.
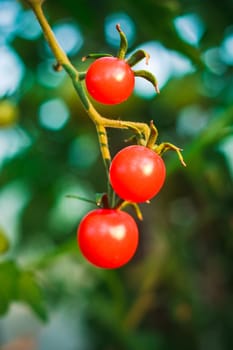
(110, 80)
(137, 173)
(108, 238)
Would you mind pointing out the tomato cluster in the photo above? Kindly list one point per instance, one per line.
(108, 238)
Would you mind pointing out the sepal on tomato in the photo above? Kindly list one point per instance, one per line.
(123, 43)
(95, 56)
(149, 77)
(167, 146)
(164, 146)
(101, 200)
(137, 56)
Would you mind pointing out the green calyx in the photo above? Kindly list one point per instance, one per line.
(95, 56)
(123, 43)
(162, 147)
(167, 146)
(149, 77)
(137, 57)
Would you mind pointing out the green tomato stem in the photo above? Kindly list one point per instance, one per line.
(124, 204)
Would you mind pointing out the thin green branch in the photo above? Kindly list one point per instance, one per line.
(49, 35)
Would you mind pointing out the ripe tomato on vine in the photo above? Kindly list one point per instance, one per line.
(137, 173)
(108, 238)
(110, 80)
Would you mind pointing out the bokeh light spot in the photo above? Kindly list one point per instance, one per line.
(28, 27)
(69, 37)
(11, 71)
(227, 49)
(226, 147)
(47, 76)
(83, 151)
(8, 19)
(53, 114)
(13, 199)
(12, 141)
(213, 60)
(67, 211)
(192, 120)
(164, 64)
(190, 28)
(127, 25)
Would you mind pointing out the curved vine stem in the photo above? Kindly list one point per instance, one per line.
(49, 35)
(101, 123)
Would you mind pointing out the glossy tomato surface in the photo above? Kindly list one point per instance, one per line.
(108, 238)
(110, 80)
(137, 173)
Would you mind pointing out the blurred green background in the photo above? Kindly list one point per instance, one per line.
(177, 292)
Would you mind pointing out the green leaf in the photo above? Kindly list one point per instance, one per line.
(4, 243)
(8, 284)
(30, 292)
(145, 340)
(20, 285)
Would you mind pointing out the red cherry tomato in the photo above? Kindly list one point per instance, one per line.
(110, 80)
(108, 238)
(137, 173)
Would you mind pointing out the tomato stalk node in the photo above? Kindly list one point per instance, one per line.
(102, 200)
(57, 67)
(123, 204)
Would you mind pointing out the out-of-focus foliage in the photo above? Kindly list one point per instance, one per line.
(177, 292)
